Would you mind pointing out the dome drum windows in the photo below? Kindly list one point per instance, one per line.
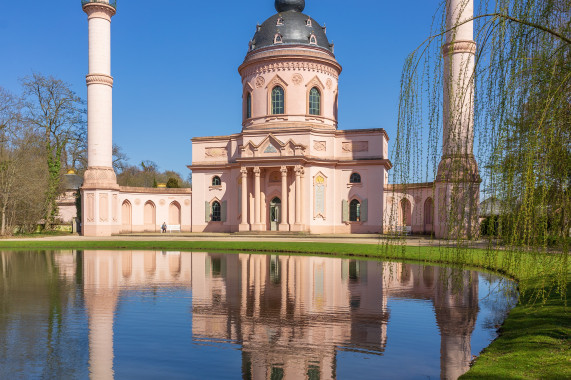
(280, 21)
(249, 105)
(315, 101)
(277, 101)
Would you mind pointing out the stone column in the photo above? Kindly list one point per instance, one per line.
(257, 200)
(284, 225)
(458, 179)
(100, 189)
(297, 226)
(244, 226)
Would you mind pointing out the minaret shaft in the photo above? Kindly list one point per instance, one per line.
(99, 88)
(459, 54)
(100, 190)
(458, 180)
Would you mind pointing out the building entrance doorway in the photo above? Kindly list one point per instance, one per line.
(275, 213)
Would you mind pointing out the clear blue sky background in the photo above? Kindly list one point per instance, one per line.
(175, 62)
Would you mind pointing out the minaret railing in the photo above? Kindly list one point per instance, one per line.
(112, 3)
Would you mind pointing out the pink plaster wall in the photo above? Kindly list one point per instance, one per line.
(333, 154)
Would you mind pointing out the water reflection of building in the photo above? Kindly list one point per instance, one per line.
(291, 315)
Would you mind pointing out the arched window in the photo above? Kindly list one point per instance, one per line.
(354, 211)
(216, 215)
(249, 106)
(216, 181)
(278, 39)
(312, 40)
(278, 101)
(314, 101)
(355, 178)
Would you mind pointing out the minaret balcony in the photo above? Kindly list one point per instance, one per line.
(111, 3)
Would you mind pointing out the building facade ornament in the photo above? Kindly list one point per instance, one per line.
(320, 146)
(297, 79)
(260, 81)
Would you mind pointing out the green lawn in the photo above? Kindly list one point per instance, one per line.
(534, 340)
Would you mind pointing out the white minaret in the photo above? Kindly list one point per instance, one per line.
(458, 181)
(100, 189)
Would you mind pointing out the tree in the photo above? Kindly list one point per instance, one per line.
(119, 159)
(172, 183)
(522, 79)
(8, 115)
(57, 113)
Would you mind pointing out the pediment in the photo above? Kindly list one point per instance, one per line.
(275, 81)
(272, 146)
(315, 82)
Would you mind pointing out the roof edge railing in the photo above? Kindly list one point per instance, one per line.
(112, 3)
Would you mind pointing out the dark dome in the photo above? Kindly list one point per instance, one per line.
(293, 27)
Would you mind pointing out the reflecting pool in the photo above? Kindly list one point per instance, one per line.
(183, 315)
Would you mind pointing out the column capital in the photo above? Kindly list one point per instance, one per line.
(299, 170)
(283, 170)
(257, 171)
(244, 171)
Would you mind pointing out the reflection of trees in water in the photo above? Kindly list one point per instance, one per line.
(35, 310)
(502, 296)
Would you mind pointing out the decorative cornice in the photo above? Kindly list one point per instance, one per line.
(148, 190)
(289, 65)
(99, 10)
(460, 46)
(99, 79)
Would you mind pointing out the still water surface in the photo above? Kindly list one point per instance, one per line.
(182, 315)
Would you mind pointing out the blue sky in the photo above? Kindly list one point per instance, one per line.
(175, 62)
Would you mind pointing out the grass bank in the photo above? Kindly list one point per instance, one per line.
(534, 340)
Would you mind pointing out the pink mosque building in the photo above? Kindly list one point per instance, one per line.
(290, 169)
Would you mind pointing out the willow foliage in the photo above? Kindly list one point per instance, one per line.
(522, 122)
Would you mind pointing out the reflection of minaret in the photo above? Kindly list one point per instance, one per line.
(101, 293)
(456, 306)
(105, 275)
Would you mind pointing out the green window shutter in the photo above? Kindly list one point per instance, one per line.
(345, 208)
(364, 210)
(223, 211)
(207, 212)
